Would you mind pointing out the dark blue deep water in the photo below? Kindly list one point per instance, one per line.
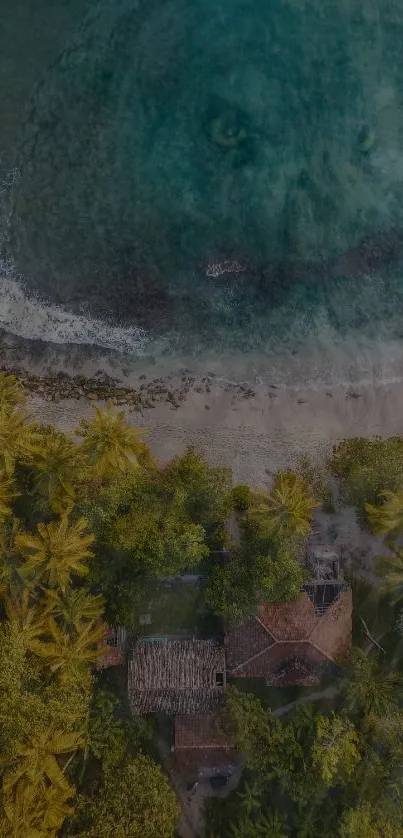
(222, 174)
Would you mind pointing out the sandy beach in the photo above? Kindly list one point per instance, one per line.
(255, 431)
(253, 415)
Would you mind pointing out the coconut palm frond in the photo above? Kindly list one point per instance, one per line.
(75, 607)
(36, 759)
(57, 466)
(53, 806)
(109, 444)
(390, 568)
(37, 811)
(287, 509)
(387, 518)
(11, 391)
(8, 493)
(70, 656)
(18, 438)
(30, 620)
(20, 805)
(58, 551)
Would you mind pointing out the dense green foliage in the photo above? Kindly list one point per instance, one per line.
(85, 526)
(155, 521)
(252, 573)
(59, 730)
(135, 801)
(333, 766)
(367, 467)
(266, 565)
(286, 510)
(313, 771)
(89, 530)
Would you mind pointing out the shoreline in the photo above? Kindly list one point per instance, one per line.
(253, 430)
(324, 360)
(256, 425)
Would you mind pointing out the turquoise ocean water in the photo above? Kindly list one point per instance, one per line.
(205, 175)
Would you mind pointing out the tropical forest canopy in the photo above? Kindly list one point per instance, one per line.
(87, 521)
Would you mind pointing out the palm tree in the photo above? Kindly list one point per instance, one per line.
(109, 443)
(250, 798)
(244, 828)
(391, 570)
(264, 826)
(36, 759)
(35, 811)
(387, 519)
(9, 561)
(31, 621)
(286, 510)
(70, 656)
(7, 494)
(304, 721)
(11, 392)
(271, 826)
(21, 814)
(369, 690)
(58, 551)
(18, 439)
(56, 467)
(52, 806)
(75, 607)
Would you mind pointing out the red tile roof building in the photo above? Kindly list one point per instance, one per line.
(202, 745)
(293, 643)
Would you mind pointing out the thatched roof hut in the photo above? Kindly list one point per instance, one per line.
(183, 677)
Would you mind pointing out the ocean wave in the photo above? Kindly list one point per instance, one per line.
(29, 317)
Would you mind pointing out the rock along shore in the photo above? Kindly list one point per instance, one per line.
(103, 387)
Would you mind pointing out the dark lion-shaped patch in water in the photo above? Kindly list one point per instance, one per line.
(230, 129)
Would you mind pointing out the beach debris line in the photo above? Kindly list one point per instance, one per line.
(59, 385)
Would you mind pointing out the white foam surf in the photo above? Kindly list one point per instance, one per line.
(33, 319)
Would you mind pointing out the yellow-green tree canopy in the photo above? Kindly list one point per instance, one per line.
(368, 689)
(386, 518)
(285, 512)
(365, 468)
(68, 656)
(52, 623)
(109, 444)
(335, 751)
(390, 569)
(58, 551)
(57, 466)
(368, 821)
(18, 439)
(8, 493)
(136, 801)
(11, 392)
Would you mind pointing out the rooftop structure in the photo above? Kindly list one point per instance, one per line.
(184, 677)
(293, 643)
(325, 584)
(202, 745)
(323, 561)
(114, 640)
